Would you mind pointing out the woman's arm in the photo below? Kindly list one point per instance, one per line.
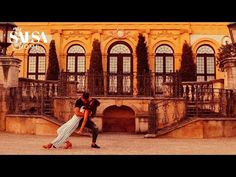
(77, 112)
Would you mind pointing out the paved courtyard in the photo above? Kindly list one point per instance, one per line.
(116, 144)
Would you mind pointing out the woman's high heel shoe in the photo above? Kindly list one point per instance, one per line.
(68, 145)
(47, 146)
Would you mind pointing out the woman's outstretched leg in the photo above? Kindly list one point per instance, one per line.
(63, 133)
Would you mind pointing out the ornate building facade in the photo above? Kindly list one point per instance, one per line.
(118, 46)
(164, 41)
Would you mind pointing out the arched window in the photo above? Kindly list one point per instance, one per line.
(76, 65)
(164, 66)
(120, 68)
(36, 63)
(205, 63)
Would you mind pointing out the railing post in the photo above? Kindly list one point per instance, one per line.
(152, 128)
(193, 92)
(231, 100)
(187, 92)
(227, 103)
(56, 89)
(196, 100)
(42, 97)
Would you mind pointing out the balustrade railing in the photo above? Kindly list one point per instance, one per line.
(32, 96)
(205, 101)
(116, 84)
(35, 97)
(197, 90)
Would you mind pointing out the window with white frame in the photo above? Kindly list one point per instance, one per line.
(36, 63)
(205, 63)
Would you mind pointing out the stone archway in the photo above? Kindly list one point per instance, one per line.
(119, 119)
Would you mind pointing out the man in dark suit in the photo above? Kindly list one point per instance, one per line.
(91, 104)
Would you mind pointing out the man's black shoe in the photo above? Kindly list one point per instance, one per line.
(95, 146)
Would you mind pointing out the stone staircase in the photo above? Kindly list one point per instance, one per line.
(165, 130)
(175, 126)
(193, 114)
(193, 110)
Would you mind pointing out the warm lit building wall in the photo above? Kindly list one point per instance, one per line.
(172, 34)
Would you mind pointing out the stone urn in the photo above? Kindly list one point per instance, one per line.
(230, 68)
(9, 71)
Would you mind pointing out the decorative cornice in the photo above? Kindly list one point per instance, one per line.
(53, 31)
(118, 34)
(164, 33)
(76, 33)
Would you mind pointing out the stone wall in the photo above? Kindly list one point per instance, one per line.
(200, 128)
(3, 107)
(30, 124)
(205, 128)
(168, 110)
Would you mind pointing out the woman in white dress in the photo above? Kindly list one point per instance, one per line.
(66, 130)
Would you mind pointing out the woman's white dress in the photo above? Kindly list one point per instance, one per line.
(65, 130)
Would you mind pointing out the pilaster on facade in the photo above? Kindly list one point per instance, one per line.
(57, 36)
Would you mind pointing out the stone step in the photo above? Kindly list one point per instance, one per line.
(175, 126)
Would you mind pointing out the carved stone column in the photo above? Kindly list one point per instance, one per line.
(152, 127)
(230, 68)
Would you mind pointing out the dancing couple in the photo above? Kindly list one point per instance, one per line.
(85, 109)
